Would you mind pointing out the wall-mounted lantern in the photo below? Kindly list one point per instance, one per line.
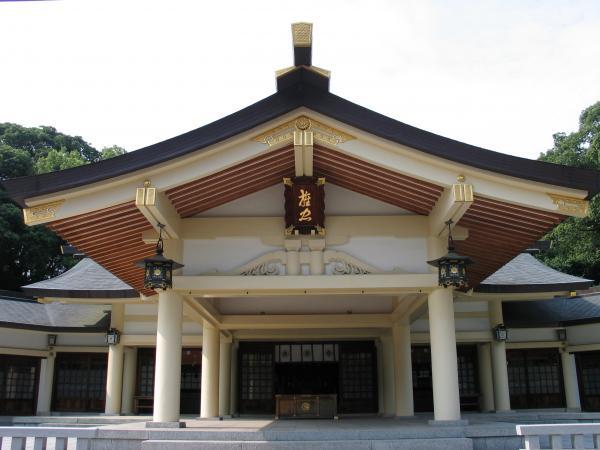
(561, 334)
(158, 270)
(452, 268)
(52, 340)
(500, 333)
(113, 336)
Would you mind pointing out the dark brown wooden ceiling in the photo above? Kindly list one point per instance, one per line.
(499, 231)
(113, 238)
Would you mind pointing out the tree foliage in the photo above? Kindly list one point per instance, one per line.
(576, 242)
(30, 254)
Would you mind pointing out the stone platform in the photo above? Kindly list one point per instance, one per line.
(483, 432)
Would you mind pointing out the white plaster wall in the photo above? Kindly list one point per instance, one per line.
(584, 334)
(408, 255)
(202, 256)
(531, 334)
(81, 339)
(469, 306)
(471, 324)
(192, 328)
(143, 309)
(139, 328)
(14, 338)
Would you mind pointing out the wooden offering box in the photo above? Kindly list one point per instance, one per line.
(306, 406)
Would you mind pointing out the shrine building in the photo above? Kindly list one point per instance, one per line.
(310, 231)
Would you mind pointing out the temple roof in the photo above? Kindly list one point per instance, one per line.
(18, 311)
(87, 279)
(525, 273)
(303, 87)
(555, 312)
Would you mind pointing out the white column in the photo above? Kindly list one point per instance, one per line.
(292, 247)
(380, 387)
(570, 381)
(234, 379)
(114, 370)
(209, 395)
(444, 366)
(46, 382)
(486, 382)
(224, 377)
(499, 365)
(129, 372)
(403, 386)
(167, 378)
(317, 265)
(389, 376)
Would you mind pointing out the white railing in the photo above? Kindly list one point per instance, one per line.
(46, 438)
(561, 436)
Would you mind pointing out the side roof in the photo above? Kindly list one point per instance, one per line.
(87, 279)
(554, 312)
(18, 311)
(297, 88)
(525, 273)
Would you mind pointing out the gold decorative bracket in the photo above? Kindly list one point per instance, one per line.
(41, 213)
(300, 126)
(570, 205)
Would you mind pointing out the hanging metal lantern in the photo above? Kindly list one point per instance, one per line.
(113, 336)
(158, 269)
(452, 268)
(500, 333)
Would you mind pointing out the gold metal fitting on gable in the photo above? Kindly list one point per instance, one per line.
(302, 34)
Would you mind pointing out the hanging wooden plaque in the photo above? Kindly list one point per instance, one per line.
(304, 205)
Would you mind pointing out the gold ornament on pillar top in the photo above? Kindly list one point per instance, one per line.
(461, 178)
(303, 123)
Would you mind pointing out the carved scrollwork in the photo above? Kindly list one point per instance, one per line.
(346, 268)
(265, 268)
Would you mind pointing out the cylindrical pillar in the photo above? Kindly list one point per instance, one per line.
(570, 380)
(444, 366)
(45, 387)
(167, 378)
(403, 387)
(114, 370)
(486, 382)
(389, 376)
(224, 378)
(234, 380)
(380, 388)
(129, 371)
(499, 364)
(209, 395)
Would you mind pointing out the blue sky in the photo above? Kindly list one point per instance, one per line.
(504, 75)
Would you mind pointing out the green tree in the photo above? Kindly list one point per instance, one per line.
(112, 151)
(576, 242)
(30, 254)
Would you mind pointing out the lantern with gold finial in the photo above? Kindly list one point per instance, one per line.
(158, 269)
(452, 268)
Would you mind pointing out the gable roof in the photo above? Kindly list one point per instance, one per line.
(525, 273)
(87, 279)
(18, 311)
(297, 88)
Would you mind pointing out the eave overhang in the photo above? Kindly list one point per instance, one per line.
(303, 87)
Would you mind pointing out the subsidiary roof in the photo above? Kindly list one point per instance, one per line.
(87, 279)
(554, 312)
(303, 87)
(18, 311)
(525, 273)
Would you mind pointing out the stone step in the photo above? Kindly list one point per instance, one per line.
(398, 444)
